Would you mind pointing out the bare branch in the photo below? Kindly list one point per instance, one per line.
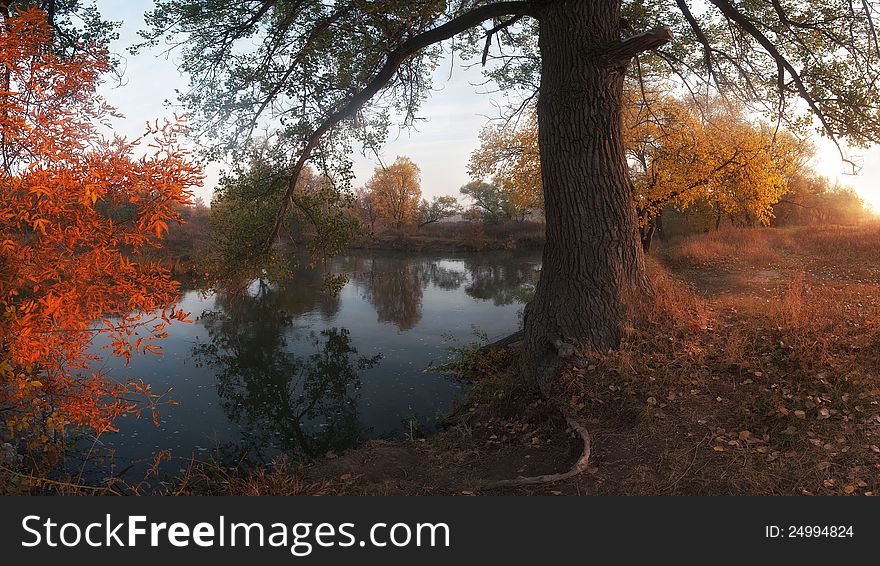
(493, 31)
(701, 37)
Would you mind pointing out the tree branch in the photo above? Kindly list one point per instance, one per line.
(737, 17)
(384, 76)
(625, 49)
(493, 31)
(319, 29)
(701, 37)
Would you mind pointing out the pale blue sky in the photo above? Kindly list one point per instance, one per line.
(440, 146)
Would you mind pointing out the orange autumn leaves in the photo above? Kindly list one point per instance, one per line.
(79, 217)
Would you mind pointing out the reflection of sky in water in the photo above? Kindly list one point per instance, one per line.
(248, 378)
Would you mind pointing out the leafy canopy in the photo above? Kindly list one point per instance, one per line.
(321, 75)
(707, 155)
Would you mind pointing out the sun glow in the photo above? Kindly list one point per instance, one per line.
(867, 186)
(866, 181)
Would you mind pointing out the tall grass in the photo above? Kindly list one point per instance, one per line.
(838, 244)
(725, 246)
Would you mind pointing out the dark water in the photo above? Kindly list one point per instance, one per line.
(291, 368)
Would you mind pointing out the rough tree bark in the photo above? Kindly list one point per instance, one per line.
(593, 262)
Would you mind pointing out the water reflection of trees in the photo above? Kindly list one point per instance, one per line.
(305, 293)
(296, 391)
(300, 403)
(395, 285)
(502, 282)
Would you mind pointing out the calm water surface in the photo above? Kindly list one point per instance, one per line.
(290, 368)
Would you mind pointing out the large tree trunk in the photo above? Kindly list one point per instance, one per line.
(593, 263)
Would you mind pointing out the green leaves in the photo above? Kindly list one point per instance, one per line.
(244, 212)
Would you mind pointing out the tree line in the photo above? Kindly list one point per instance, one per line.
(392, 199)
(705, 158)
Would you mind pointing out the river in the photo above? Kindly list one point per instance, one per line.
(290, 368)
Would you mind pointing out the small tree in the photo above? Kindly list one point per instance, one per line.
(365, 208)
(439, 208)
(396, 191)
(493, 204)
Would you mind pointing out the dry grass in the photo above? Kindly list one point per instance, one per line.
(855, 249)
(772, 388)
(723, 247)
(282, 478)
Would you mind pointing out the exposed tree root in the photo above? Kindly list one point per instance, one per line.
(564, 351)
(510, 341)
(579, 467)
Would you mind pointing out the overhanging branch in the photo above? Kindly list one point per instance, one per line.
(502, 26)
(384, 76)
(784, 66)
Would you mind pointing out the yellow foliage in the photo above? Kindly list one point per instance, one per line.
(396, 192)
(705, 158)
(512, 158)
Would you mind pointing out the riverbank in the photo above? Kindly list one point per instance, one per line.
(458, 237)
(756, 373)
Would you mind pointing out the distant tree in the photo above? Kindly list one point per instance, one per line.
(813, 199)
(439, 208)
(190, 242)
(365, 207)
(491, 203)
(68, 269)
(511, 157)
(396, 191)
